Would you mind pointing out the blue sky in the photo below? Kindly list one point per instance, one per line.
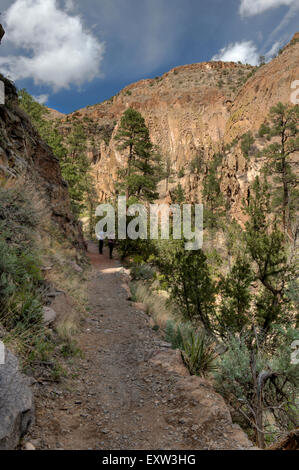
(70, 53)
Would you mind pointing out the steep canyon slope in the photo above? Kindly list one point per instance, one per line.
(192, 111)
(25, 156)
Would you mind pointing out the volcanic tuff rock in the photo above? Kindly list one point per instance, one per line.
(16, 403)
(24, 154)
(192, 110)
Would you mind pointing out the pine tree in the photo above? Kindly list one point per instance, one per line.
(143, 171)
(283, 126)
(76, 170)
(178, 195)
(266, 246)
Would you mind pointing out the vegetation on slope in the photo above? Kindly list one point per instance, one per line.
(243, 299)
(75, 166)
(28, 243)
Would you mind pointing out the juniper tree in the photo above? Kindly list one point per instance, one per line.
(191, 287)
(236, 298)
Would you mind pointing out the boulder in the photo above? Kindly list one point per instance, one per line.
(76, 267)
(49, 315)
(16, 403)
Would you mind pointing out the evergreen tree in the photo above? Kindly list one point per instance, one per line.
(284, 128)
(190, 283)
(266, 246)
(76, 171)
(75, 167)
(143, 171)
(236, 298)
(213, 199)
(178, 195)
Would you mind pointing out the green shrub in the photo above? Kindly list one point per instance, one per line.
(264, 130)
(173, 335)
(244, 369)
(199, 353)
(247, 141)
(21, 282)
(143, 272)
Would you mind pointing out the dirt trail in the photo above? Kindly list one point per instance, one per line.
(120, 399)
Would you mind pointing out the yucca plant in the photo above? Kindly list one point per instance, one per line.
(199, 353)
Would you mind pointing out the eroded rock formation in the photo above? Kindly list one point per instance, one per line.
(24, 154)
(193, 110)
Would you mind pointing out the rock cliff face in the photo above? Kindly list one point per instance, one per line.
(269, 85)
(193, 110)
(186, 111)
(23, 154)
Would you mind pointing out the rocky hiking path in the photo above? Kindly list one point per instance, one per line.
(131, 391)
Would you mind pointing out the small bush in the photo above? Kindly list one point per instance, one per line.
(143, 272)
(199, 354)
(247, 141)
(173, 335)
(264, 130)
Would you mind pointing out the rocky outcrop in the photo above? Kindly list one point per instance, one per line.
(23, 154)
(16, 403)
(186, 111)
(198, 409)
(269, 85)
(193, 110)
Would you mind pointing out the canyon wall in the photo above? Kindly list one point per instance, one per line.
(25, 157)
(192, 110)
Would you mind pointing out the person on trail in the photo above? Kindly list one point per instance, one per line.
(101, 238)
(111, 246)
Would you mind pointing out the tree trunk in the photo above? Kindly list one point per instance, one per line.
(258, 405)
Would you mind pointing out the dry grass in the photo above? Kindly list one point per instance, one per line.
(156, 303)
(62, 275)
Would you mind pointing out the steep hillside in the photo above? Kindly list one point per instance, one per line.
(193, 110)
(24, 154)
(186, 111)
(269, 85)
(40, 244)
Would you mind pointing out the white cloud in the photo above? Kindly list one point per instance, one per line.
(41, 99)
(59, 52)
(69, 5)
(273, 51)
(255, 7)
(245, 52)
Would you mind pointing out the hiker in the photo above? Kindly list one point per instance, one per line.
(101, 238)
(111, 246)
